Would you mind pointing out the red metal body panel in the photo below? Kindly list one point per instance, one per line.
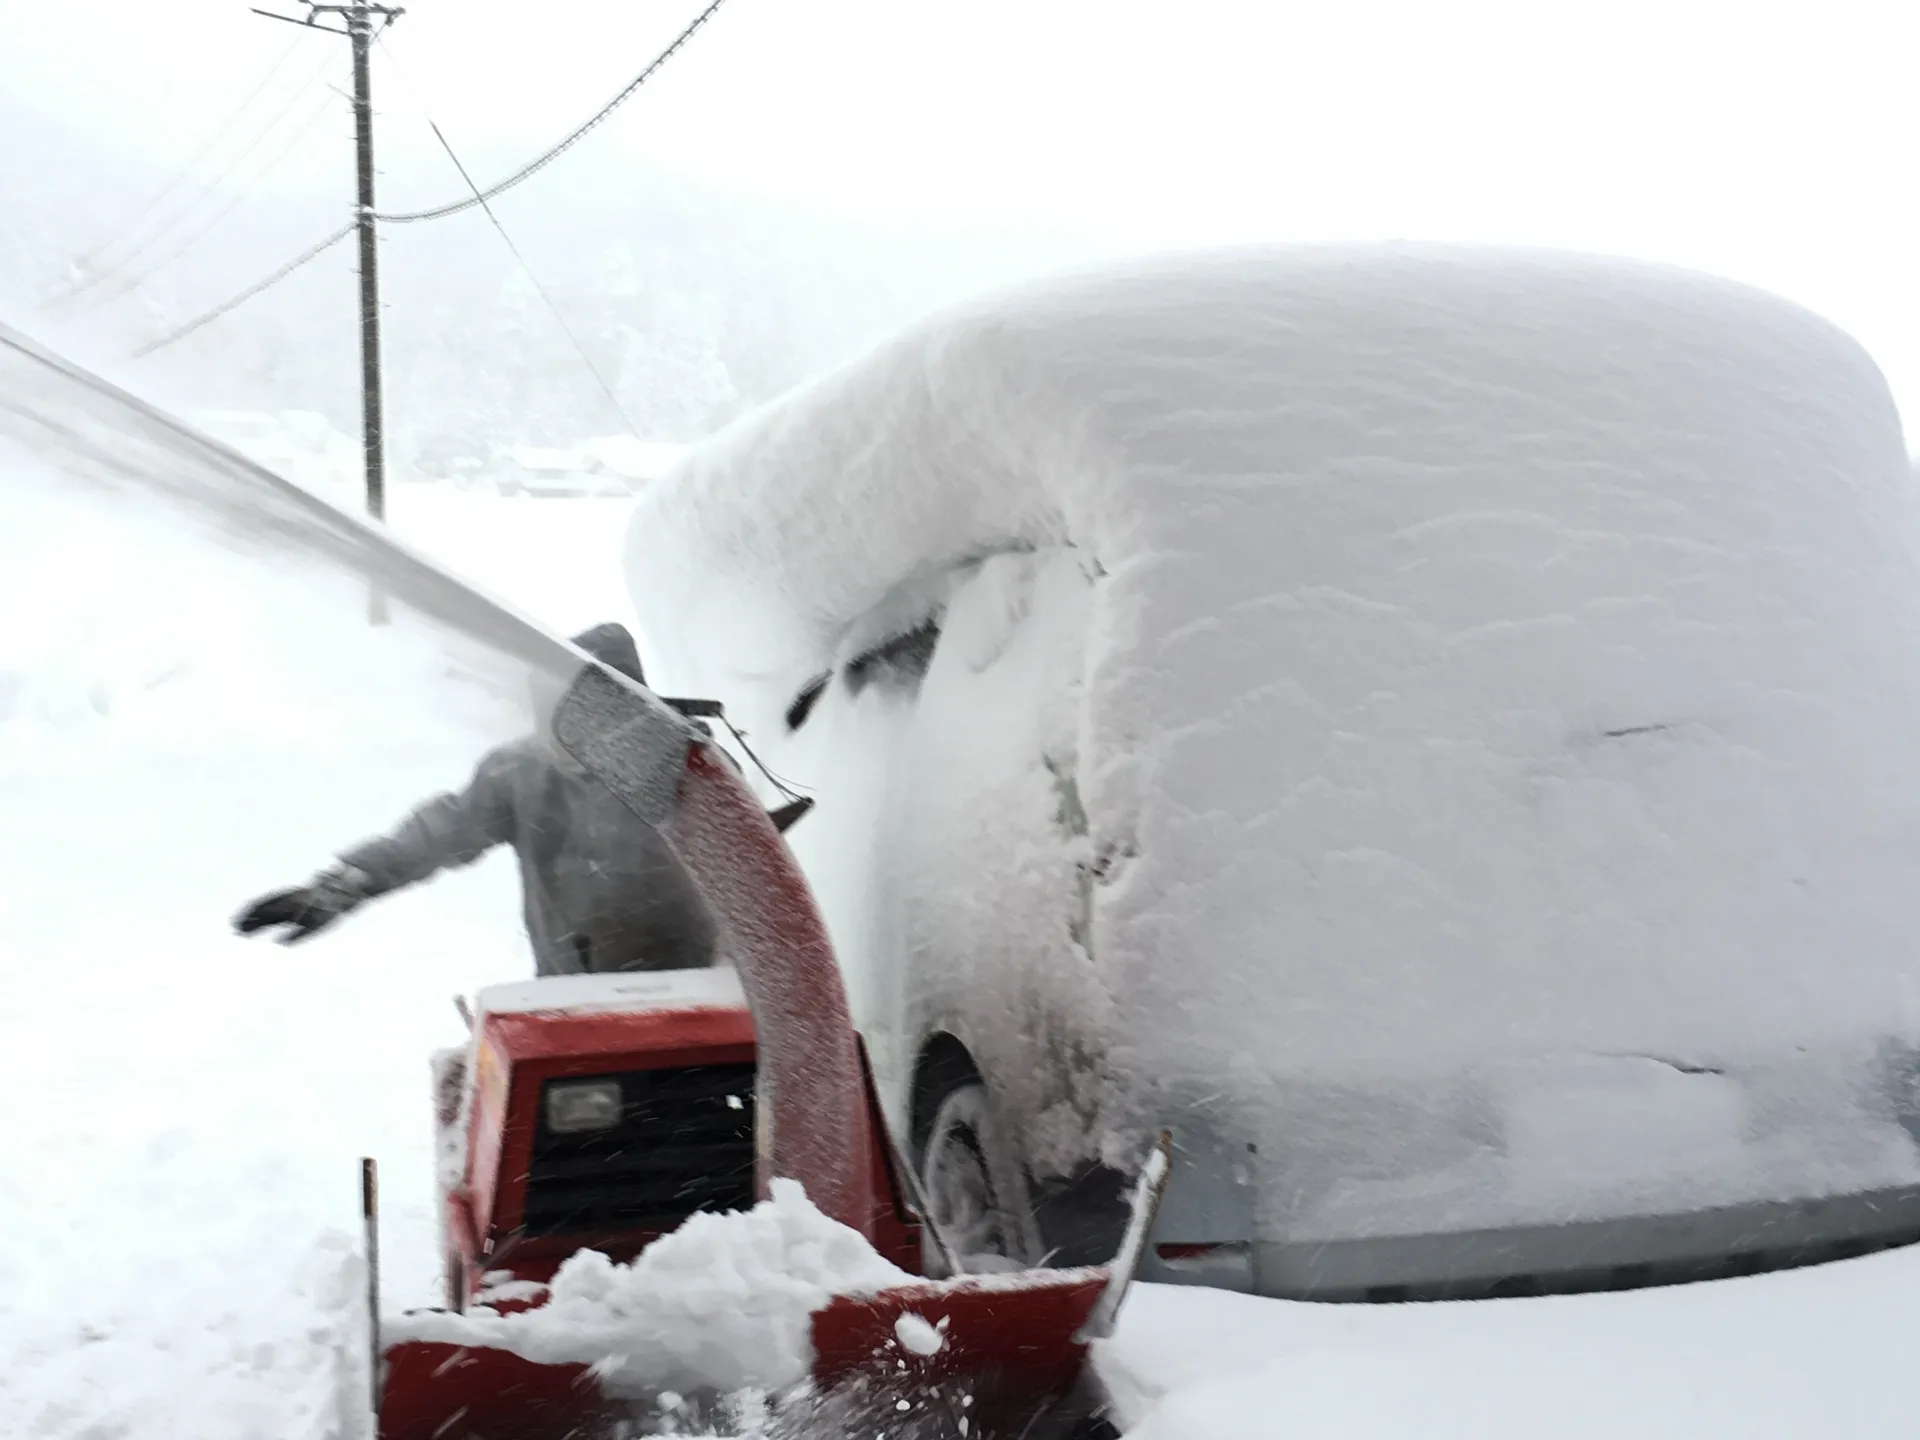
(592, 1037)
(519, 1051)
(434, 1391)
(1005, 1348)
(486, 1131)
(547, 1047)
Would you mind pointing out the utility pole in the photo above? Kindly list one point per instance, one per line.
(359, 21)
(372, 410)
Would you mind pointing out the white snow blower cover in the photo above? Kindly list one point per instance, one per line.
(1491, 703)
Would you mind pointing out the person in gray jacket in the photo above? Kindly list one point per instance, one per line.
(601, 889)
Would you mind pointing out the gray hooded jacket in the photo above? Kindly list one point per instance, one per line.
(603, 891)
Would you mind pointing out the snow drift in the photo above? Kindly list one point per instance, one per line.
(1478, 738)
(193, 709)
(724, 1302)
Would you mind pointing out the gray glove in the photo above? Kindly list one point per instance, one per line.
(306, 909)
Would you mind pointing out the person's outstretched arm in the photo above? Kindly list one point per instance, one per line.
(451, 829)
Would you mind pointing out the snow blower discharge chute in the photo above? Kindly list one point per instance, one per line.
(600, 1112)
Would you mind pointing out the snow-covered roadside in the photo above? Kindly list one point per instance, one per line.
(1801, 1353)
(186, 1108)
(183, 1135)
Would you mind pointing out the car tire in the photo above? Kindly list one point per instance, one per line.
(970, 1184)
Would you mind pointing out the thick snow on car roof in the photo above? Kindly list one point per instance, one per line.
(1501, 663)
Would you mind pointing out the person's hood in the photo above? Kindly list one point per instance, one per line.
(609, 643)
(612, 645)
(1821, 1351)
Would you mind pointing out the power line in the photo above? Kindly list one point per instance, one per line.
(133, 283)
(600, 379)
(478, 198)
(201, 193)
(132, 223)
(208, 317)
(527, 171)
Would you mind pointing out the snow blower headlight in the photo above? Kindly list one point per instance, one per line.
(578, 1106)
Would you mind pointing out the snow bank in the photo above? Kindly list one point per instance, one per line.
(1771, 1357)
(184, 724)
(1369, 675)
(725, 1301)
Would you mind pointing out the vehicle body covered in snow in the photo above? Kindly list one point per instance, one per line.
(632, 459)
(1433, 726)
(558, 474)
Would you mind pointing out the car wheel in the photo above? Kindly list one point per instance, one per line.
(969, 1207)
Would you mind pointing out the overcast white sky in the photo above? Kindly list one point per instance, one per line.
(1764, 141)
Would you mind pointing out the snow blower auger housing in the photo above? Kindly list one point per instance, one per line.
(598, 1112)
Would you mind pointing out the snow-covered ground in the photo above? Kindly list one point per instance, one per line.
(180, 1187)
(1788, 1356)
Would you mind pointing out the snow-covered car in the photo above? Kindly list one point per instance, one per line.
(447, 458)
(555, 474)
(630, 459)
(1432, 726)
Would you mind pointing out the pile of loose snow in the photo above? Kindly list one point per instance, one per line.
(724, 1302)
(1381, 687)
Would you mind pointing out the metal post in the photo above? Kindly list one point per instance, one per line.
(370, 1229)
(359, 18)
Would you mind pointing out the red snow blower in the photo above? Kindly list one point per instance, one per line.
(600, 1112)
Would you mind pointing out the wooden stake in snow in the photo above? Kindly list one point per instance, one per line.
(370, 1223)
